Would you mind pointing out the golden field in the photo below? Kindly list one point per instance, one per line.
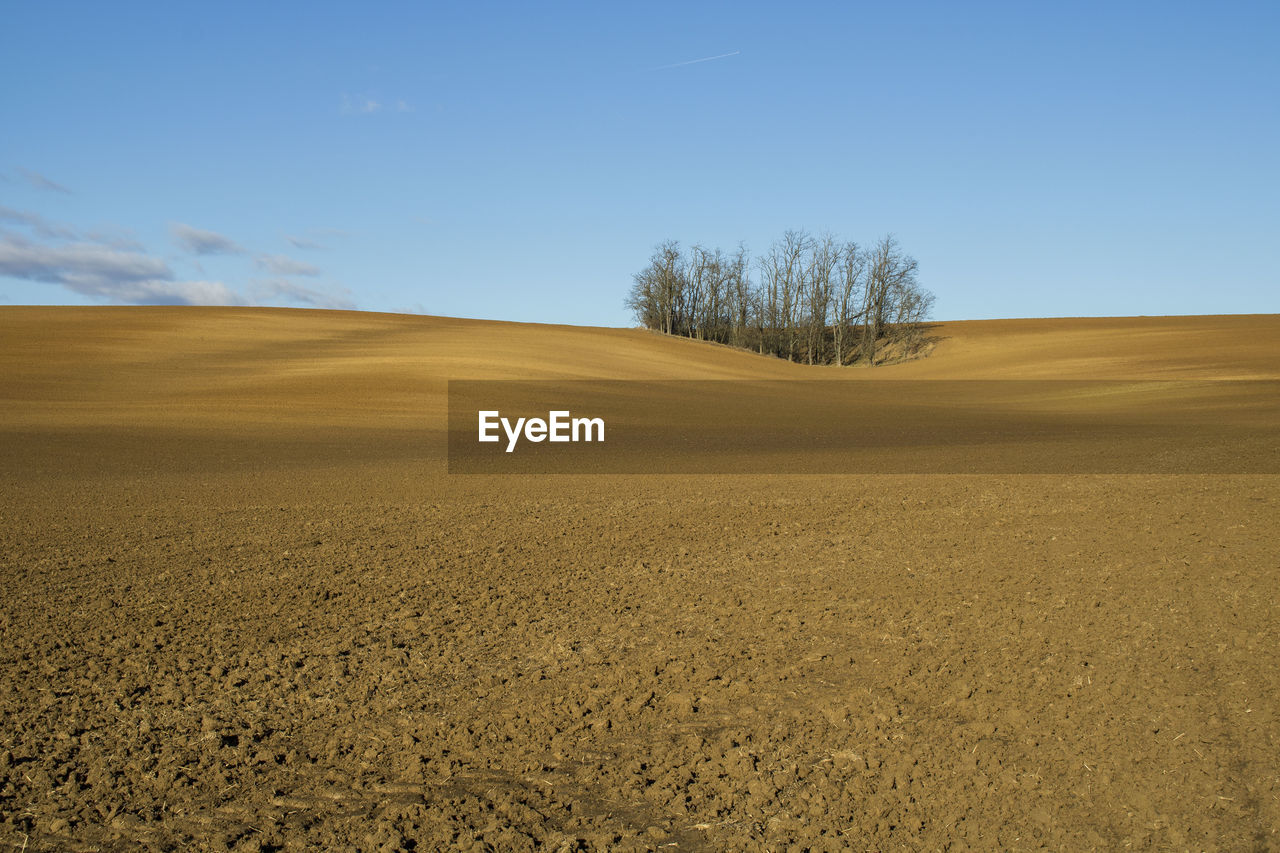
(246, 607)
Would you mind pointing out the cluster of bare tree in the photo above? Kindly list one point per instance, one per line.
(816, 299)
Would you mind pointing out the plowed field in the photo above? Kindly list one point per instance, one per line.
(245, 607)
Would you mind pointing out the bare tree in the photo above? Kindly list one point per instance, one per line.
(741, 299)
(852, 267)
(890, 284)
(795, 244)
(910, 305)
(643, 299)
(883, 266)
(657, 295)
(703, 293)
(772, 317)
(716, 297)
(692, 267)
(818, 275)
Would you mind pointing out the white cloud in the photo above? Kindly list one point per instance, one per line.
(37, 223)
(106, 273)
(39, 181)
(367, 105)
(171, 293)
(284, 265)
(303, 242)
(117, 238)
(360, 105)
(279, 289)
(114, 237)
(200, 242)
(111, 266)
(80, 261)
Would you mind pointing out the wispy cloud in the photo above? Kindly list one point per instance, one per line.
(284, 265)
(40, 182)
(23, 259)
(37, 223)
(110, 236)
(105, 273)
(200, 242)
(279, 289)
(696, 61)
(305, 243)
(174, 293)
(111, 266)
(367, 105)
(315, 239)
(118, 238)
(360, 104)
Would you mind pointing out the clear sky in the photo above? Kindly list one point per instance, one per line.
(519, 161)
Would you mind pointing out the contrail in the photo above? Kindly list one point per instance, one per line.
(695, 61)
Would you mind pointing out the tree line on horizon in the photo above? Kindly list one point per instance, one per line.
(815, 300)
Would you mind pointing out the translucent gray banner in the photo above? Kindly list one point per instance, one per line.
(864, 426)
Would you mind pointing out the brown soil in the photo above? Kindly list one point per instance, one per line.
(246, 608)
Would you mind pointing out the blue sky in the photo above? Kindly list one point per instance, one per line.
(518, 162)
